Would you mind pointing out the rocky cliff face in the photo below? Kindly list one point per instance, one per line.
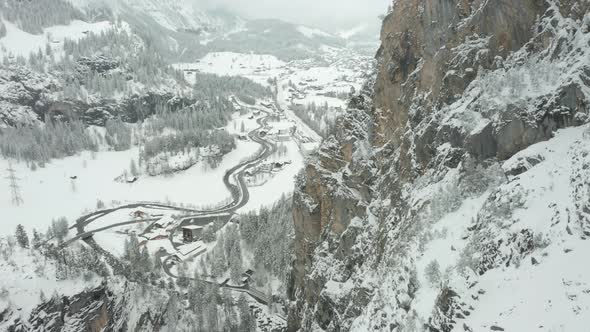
(116, 306)
(27, 97)
(427, 191)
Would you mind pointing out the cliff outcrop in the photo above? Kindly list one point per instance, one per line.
(427, 191)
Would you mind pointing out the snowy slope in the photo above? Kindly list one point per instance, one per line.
(545, 282)
(256, 67)
(26, 274)
(175, 15)
(18, 42)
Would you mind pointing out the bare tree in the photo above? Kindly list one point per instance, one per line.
(14, 187)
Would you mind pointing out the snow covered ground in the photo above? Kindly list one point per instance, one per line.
(49, 192)
(258, 68)
(26, 273)
(547, 285)
(18, 42)
(281, 183)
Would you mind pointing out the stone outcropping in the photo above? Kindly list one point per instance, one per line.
(98, 309)
(28, 97)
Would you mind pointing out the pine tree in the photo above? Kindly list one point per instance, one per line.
(133, 168)
(59, 229)
(145, 263)
(247, 321)
(183, 280)
(172, 312)
(99, 204)
(211, 311)
(21, 236)
(235, 261)
(2, 30)
(203, 268)
(36, 242)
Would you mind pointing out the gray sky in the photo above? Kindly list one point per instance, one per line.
(327, 14)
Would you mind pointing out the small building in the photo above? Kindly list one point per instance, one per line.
(283, 138)
(191, 233)
(139, 214)
(246, 277)
(164, 222)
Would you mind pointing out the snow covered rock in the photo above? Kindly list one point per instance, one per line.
(27, 97)
(109, 307)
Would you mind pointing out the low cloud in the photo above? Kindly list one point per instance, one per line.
(327, 14)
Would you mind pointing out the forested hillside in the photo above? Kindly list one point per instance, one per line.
(112, 77)
(33, 16)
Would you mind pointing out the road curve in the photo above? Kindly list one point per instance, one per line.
(240, 197)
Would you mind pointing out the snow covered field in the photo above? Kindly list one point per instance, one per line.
(49, 192)
(258, 68)
(279, 184)
(18, 42)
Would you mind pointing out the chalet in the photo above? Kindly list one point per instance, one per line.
(280, 165)
(164, 222)
(191, 233)
(139, 214)
(246, 276)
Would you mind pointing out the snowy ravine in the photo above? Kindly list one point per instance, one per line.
(454, 194)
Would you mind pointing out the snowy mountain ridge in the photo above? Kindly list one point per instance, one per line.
(173, 15)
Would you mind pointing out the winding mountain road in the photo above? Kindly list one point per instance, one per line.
(237, 187)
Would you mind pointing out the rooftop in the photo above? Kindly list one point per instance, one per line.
(192, 227)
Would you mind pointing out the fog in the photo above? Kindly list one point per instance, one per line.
(327, 14)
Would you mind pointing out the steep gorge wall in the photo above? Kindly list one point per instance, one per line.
(433, 107)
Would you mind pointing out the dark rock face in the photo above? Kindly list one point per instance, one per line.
(99, 63)
(28, 99)
(98, 309)
(446, 309)
(524, 165)
(325, 209)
